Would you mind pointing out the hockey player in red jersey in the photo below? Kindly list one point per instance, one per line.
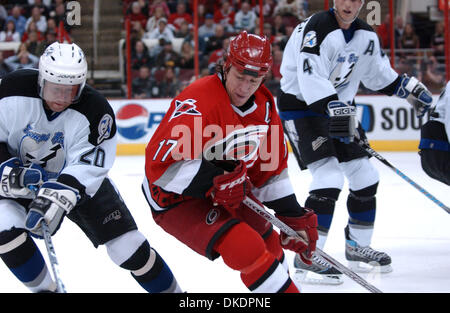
(221, 141)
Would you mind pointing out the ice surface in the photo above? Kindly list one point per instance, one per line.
(413, 230)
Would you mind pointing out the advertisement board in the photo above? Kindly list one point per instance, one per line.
(390, 122)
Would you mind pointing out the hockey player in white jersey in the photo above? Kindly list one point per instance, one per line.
(58, 135)
(435, 140)
(324, 62)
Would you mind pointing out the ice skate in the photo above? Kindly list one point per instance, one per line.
(366, 259)
(319, 272)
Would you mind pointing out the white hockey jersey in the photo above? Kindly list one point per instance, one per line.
(76, 146)
(321, 61)
(443, 110)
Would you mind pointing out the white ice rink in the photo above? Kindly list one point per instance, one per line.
(413, 230)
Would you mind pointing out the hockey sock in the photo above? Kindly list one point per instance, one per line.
(323, 201)
(361, 205)
(21, 255)
(243, 249)
(150, 270)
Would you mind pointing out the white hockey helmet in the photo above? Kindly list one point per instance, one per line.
(356, 15)
(64, 64)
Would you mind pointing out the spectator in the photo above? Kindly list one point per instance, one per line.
(268, 32)
(291, 8)
(186, 59)
(159, 3)
(23, 59)
(140, 57)
(433, 75)
(10, 33)
(176, 19)
(44, 8)
(245, 18)
(50, 37)
(398, 30)
(384, 32)
(3, 68)
(59, 15)
(167, 57)
(170, 85)
(277, 57)
(3, 16)
(33, 43)
(217, 55)
(215, 42)
(31, 27)
(278, 26)
(155, 50)
(225, 17)
(152, 22)
(51, 25)
(19, 20)
(438, 42)
(38, 18)
(268, 9)
(136, 16)
(141, 86)
(409, 39)
(184, 31)
(208, 28)
(161, 32)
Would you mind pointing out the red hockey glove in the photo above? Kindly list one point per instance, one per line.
(230, 189)
(306, 228)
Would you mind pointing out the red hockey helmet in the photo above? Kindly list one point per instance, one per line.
(250, 54)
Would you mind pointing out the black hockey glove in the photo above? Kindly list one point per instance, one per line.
(18, 180)
(411, 89)
(342, 124)
(53, 201)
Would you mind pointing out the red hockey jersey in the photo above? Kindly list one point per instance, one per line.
(202, 125)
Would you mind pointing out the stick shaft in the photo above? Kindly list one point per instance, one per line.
(289, 231)
(52, 257)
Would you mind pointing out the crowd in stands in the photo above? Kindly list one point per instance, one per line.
(168, 20)
(33, 24)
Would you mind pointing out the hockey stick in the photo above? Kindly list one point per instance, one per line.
(52, 257)
(289, 231)
(375, 154)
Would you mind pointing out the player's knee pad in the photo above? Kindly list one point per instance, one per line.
(360, 173)
(21, 255)
(326, 173)
(361, 205)
(124, 247)
(243, 249)
(132, 251)
(272, 242)
(323, 202)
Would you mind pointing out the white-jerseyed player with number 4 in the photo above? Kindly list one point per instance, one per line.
(324, 62)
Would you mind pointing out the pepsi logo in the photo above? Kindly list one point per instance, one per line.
(132, 121)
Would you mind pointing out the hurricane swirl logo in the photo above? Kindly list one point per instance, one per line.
(132, 121)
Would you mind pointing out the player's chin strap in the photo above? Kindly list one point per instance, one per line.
(375, 154)
(290, 232)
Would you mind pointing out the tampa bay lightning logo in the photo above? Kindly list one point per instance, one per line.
(104, 128)
(132, 121)
(343, 70)
(44, 149)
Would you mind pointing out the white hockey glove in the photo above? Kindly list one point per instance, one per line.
(53, 201)
(411, 89)
(17, 180)
(342, 124)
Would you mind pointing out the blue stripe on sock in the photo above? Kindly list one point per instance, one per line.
(367, 216)
(324, 220)
(161, 282)
(30, 270)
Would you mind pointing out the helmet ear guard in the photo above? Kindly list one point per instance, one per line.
(63, 64)
(250, 54)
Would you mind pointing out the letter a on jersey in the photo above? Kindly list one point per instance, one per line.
(185, 107)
